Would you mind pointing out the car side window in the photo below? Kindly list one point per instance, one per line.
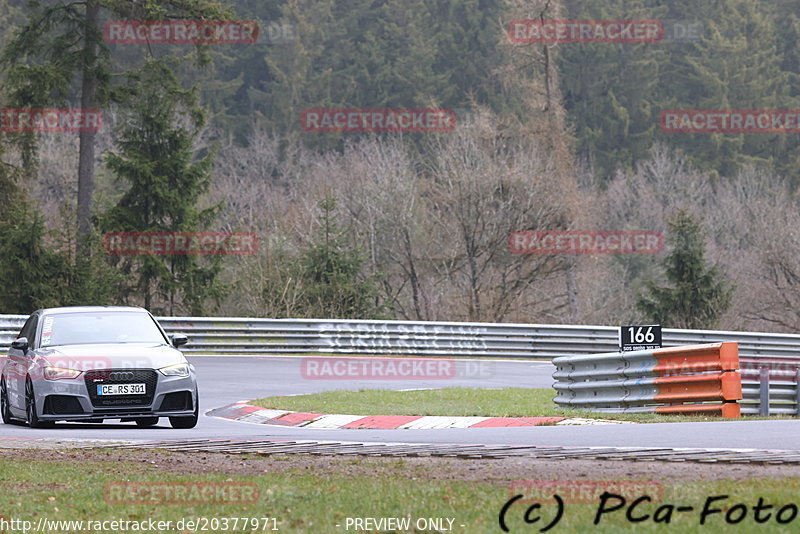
(25, 328)
(29, 329)
(32, 333)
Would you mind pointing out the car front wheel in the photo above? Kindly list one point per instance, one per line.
(30, 408)
(147, 421)
(5, 407)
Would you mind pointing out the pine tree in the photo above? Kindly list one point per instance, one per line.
(698, 295)
(331, 273)
(156, 159)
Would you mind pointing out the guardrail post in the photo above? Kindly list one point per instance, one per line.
(797, 390)
(763, 397)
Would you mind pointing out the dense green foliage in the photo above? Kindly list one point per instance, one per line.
(411, 53)
(745, 58)
(401, 53)
(38, 274)
(355, 54)
(593, 107)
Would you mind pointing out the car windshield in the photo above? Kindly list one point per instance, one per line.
(89, 328)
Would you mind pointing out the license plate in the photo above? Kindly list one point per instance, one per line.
(121, 389)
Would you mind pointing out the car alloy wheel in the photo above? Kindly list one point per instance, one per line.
(5, 407)
(30, 408)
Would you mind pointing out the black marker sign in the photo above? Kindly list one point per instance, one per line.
(639, 337)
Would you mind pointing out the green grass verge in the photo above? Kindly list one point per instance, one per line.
(507, 402)
(316, 501)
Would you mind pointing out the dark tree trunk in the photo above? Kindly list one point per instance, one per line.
(87, 138)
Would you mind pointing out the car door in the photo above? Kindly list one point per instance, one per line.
(17, 367)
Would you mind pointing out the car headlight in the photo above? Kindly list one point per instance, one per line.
(57, 373)
(179, 369)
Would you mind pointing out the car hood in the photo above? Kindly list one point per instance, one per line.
(110, 356)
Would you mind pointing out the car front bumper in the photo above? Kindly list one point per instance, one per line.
(69, 400)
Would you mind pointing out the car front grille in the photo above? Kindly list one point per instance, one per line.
(148, 377)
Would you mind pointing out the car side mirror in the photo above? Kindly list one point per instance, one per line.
(179, 339)
(21, 343)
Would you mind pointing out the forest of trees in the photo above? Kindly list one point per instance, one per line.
(413, 225)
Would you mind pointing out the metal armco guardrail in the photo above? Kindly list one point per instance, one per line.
(238, 335)
(691, 379)
(770, 386)
(224, 336)
(484, 340)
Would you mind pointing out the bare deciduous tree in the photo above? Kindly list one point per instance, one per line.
(484, 188)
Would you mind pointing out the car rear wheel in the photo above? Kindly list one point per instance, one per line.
(5, 407)
(147, 421)
(187, 422)
(30, 408)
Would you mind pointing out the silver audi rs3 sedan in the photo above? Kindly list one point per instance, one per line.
(95, 363)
